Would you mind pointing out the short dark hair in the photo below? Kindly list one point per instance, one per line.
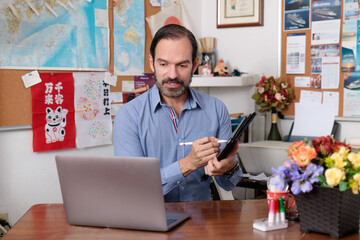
(174, 31)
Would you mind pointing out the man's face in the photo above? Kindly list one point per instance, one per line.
(173, 66)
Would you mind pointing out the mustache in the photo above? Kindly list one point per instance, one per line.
(176, 80)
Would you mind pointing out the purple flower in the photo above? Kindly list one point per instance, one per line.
(314, 171)
(306, 186)
(301, 186)
(279, 182)
(295, 187)
(300, 178)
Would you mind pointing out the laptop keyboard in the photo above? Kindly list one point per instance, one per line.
(170, 221)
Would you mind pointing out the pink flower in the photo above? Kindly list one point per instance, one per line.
(278, 96)
(261, 90)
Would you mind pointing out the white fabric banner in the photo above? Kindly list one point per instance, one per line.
(173, 14)
(92, 109)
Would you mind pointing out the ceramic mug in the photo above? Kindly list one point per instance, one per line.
(276, 195)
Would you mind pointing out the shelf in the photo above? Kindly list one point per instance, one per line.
(243, 80)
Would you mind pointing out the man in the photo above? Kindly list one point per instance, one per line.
(155, 123)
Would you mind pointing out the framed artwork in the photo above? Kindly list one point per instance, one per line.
(240, 13)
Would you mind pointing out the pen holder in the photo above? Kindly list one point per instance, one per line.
(284, 195)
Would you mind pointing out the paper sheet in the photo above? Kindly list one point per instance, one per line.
(302, 81)
(310, 96)
(313, 119)
(326, 20)
(116, 97)
(128, 86)
(330, 72)
(332, 98)
(295, 53)
(31, 79)
(351, 106)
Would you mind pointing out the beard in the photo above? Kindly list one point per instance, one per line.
(172, 92)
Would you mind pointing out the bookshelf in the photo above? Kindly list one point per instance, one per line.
(241, 81)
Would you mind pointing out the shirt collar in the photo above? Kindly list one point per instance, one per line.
(191, 102)
(155, 99)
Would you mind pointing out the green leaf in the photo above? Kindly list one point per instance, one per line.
(342, 186)
(322, 180)
(256, 96)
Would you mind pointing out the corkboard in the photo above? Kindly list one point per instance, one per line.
(15, 99)
(291, 108)
(149, 10)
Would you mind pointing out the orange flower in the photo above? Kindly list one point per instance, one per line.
(294, 146)
(303, 155)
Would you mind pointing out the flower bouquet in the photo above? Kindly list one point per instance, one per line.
(272, 93)
(324, 176)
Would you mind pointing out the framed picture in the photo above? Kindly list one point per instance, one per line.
(240, 13)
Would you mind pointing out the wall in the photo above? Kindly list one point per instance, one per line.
(248, 49)
(28, 178)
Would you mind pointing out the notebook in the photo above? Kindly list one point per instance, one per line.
(115, 192)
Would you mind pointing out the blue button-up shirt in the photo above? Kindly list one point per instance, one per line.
(148, 127)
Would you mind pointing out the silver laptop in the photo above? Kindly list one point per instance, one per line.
(115, 192)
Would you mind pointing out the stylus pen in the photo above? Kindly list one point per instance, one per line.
(190, 143)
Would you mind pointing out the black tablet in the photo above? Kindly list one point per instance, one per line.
(237, 133)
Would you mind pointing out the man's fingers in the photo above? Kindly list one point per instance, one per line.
(211, 168)
(203, 140)
(205, 160)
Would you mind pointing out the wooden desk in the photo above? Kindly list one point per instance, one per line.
(210, 220)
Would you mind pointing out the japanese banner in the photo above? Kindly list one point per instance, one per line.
(53, 120)
(92, 106)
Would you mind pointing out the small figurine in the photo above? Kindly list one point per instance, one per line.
(220, 68)
(235, 73)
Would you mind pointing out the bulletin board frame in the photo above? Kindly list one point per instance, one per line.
(290, 110)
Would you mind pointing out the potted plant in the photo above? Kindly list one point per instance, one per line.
(324, 176)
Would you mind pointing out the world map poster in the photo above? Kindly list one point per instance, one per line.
(129, 37)
(56, 34)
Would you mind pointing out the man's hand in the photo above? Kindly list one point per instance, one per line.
(203, 150)
(217, 168)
